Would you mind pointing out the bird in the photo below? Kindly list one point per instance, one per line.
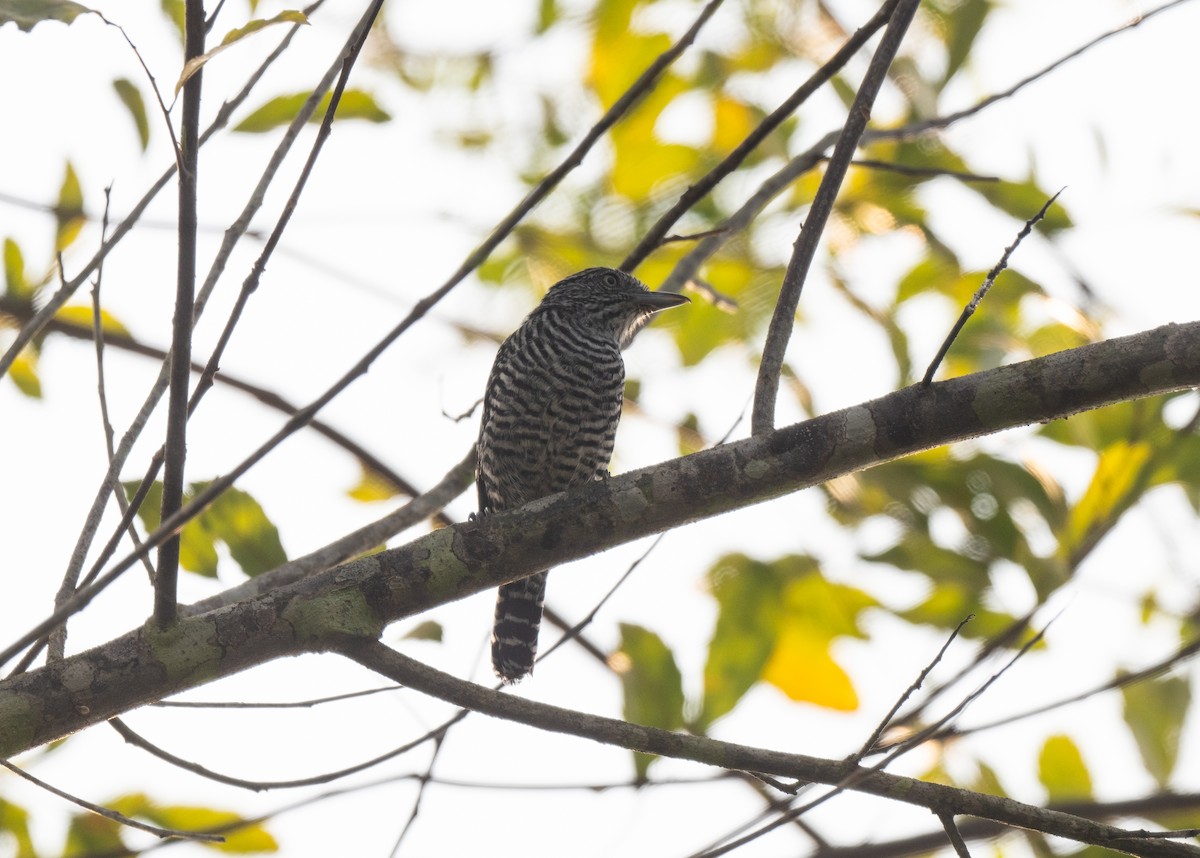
(550, 413)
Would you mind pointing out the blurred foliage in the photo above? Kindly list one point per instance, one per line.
(27, 14)
(957, 518)
(234, 518)
(652, 684)
(89, 834)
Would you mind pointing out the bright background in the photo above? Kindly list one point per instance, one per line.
(389, 213)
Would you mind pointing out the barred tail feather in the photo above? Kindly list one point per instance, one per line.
(515, 634)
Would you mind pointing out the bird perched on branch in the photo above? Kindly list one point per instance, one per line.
(550, 414)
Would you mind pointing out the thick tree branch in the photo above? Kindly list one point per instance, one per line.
(359, 598)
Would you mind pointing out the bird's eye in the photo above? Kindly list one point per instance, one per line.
(610, 279)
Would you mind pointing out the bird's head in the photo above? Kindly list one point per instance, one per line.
(608, 300)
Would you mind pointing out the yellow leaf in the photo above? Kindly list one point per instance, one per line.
(802, 668)
(82, 317)
(69, 210)
(732, 122)
(23, 372)
(1114, 484)
(372, 487)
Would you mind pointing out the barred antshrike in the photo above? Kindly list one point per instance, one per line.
(550, 414)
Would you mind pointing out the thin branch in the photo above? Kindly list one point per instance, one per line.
(139, 741)
(166, 578)
(45, 315)
(573, 632)
(1180, 655)
(986, 829)
(202, 500)
(655, 236)
(287, 704)
(450, 563)
(423, 782)
(609, 731)
(250, 284)
(984, 288)
(762, 417)
(29, 331)
(269, 398)
(112, 814)
(956, 839)
(923, 172)
(162, 107)
(869, 745)
(687, 268)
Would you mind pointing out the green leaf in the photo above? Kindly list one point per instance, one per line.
(548, 14)
(1023, 200)
(960, 22)
(91, 834)
(174, 11)
(16, 283)
(131, 97)
(290, 16)
(354, 104)
(652, 684)
(14, 821)
(1155, 712)
(234, 518)
(197, 552)
(68, 212)
(748, 619)
(27, 14)
(776, 623)
(1062, 771)
(426, 631)
(238, 520)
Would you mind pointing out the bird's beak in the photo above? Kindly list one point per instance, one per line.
(655, 301)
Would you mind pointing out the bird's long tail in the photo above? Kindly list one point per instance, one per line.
(515, 633)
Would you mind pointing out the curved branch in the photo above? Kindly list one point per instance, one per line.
(941, 799)
(359, 598)
(762, 416)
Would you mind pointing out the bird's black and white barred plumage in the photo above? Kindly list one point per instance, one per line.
(550, 415)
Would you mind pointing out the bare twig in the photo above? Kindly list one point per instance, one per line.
(112, 814)
(956, 839)
(775, 184)
(698, 190)
(202, 499)
(924, 172)
(762, 416)
(288, 704)
(166, 577)
(869, 745)
(135, 739)
(1125, 680)
(939, 798)
(982, 291)
(44, 317)
(56, 301)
